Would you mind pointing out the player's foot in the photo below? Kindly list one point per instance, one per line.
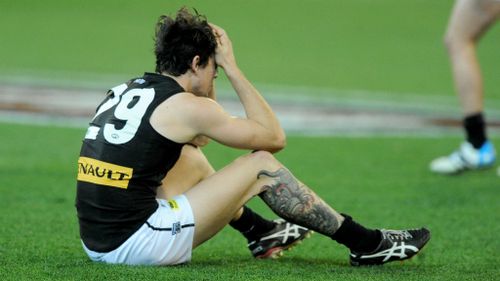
(465, 158)
(283, 236)
(396, 245)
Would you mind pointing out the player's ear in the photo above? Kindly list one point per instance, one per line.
(195, 63)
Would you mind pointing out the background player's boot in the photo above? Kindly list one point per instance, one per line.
(465, 158)
(395, 245)
(283, 236)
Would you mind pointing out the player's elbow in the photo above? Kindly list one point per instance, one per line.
(267, 140)
(278, 143)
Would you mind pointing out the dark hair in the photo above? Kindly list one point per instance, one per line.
(178, 41)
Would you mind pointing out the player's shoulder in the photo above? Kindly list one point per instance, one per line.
(190, 101)
(190, 108)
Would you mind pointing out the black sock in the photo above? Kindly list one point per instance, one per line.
(356, 237)
(251, 225)
(475, 130)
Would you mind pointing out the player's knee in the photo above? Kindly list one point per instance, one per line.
(263, 159)
(456, 43)
(264, 155)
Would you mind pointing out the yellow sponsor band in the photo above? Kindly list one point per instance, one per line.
(103, 173)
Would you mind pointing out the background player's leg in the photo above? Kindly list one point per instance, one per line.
(469, 20)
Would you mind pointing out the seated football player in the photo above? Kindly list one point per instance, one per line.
(146, 193)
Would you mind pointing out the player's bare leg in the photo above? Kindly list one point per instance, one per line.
(468, 22)
(216, 198)
(192, 168)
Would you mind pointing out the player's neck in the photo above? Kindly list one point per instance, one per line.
(183, 80)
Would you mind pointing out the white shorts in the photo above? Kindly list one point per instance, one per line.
(165, 239)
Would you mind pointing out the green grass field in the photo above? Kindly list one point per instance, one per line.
(328, 49)
(382, 182)
(390, 45)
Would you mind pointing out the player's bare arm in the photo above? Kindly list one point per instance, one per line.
(201, 140)
(189, 116)
(256, 108)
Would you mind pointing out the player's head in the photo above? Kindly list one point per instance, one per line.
(178, 41)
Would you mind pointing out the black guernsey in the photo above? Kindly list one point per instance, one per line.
(122, 162)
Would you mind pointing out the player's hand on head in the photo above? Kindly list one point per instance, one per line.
(224, 56)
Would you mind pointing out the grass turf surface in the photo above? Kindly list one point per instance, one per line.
(386, 45)
(381, 182)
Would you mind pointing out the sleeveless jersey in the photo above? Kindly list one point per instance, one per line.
(122, 162)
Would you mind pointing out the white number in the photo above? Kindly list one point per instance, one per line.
(131, 108)
(117, 92)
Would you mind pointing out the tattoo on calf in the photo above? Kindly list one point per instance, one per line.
(298, 204)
